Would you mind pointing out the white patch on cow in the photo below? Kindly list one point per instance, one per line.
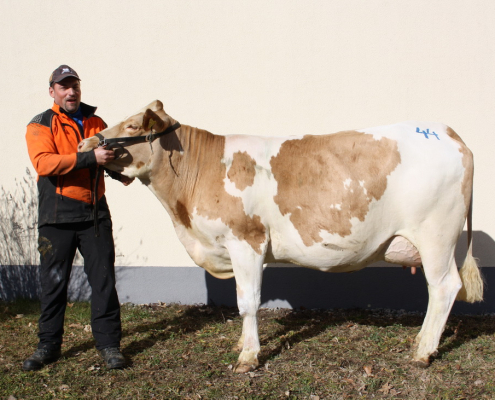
(336, 207)
(361, 183)
(133, 172)
(347, 183)
(230, 187)
(260, 149)
(227, 162)
(205, 242)
(258, 198)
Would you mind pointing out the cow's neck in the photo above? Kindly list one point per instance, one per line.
(188, 174)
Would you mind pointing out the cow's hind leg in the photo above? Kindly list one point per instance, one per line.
(443, 284)
(248, 270)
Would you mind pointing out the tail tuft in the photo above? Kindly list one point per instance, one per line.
(472, 280)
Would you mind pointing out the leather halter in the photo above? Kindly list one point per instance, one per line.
(136, 139)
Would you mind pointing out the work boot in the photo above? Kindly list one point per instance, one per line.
(113, 357)
(40, 358)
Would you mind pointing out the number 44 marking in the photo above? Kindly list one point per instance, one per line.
(427, 133)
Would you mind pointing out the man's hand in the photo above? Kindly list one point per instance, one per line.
(104, 156)
(126, 181)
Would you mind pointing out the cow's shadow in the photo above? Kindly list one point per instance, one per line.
(460, 329)
(386, 286)
(296, 326)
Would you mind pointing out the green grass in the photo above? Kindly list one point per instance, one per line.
(181, 352)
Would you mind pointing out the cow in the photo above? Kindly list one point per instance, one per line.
(335, 202)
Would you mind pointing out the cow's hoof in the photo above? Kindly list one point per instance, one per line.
(421, 363)
(241, 368)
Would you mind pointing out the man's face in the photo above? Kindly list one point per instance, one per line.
(67, 94)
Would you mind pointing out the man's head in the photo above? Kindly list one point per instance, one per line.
(65, 88)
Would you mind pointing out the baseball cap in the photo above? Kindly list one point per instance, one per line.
(62, 72)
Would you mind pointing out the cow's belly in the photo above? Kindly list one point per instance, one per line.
(347, 255)
(332, 254)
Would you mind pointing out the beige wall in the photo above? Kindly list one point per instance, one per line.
(253, 67)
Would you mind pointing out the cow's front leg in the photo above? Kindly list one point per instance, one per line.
(248, 270)
(240, 344)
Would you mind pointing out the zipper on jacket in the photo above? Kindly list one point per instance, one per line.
(80, 134)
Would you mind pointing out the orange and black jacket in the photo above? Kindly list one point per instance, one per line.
(66, 178)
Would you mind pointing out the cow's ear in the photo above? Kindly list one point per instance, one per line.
(152, 121)
(156, 105)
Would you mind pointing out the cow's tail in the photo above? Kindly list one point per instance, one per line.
(472, 281)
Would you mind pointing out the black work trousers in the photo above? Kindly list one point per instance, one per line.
(57, 246)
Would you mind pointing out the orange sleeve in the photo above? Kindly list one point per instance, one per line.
(43, 152)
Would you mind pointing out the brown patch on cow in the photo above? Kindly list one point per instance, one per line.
(467, 163)
(242, 170)
(453, 134)
(196, 180)
(139, 164)
(183, 214)
(312, 173)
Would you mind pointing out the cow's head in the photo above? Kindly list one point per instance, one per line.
(132, 160)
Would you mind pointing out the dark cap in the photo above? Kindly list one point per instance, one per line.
(62, 72)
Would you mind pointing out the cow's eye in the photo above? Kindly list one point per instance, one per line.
(132, 127)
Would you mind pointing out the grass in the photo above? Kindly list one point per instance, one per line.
(184, 352)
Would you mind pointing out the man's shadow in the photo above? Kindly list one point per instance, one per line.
(193, 319)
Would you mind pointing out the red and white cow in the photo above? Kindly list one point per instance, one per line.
(336, 203)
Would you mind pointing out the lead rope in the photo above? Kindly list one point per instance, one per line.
(95, 202)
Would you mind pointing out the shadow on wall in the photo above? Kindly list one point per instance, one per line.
(19, 256)
(23, 281)
(386, 286)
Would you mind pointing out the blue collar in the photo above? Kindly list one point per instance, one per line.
(77, 116)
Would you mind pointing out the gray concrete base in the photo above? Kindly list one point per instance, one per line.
(285, 287)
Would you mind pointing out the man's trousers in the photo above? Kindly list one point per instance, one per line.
(57, 247)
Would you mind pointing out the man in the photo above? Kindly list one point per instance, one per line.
(66, 220)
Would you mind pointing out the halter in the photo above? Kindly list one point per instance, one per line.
(151, 137)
